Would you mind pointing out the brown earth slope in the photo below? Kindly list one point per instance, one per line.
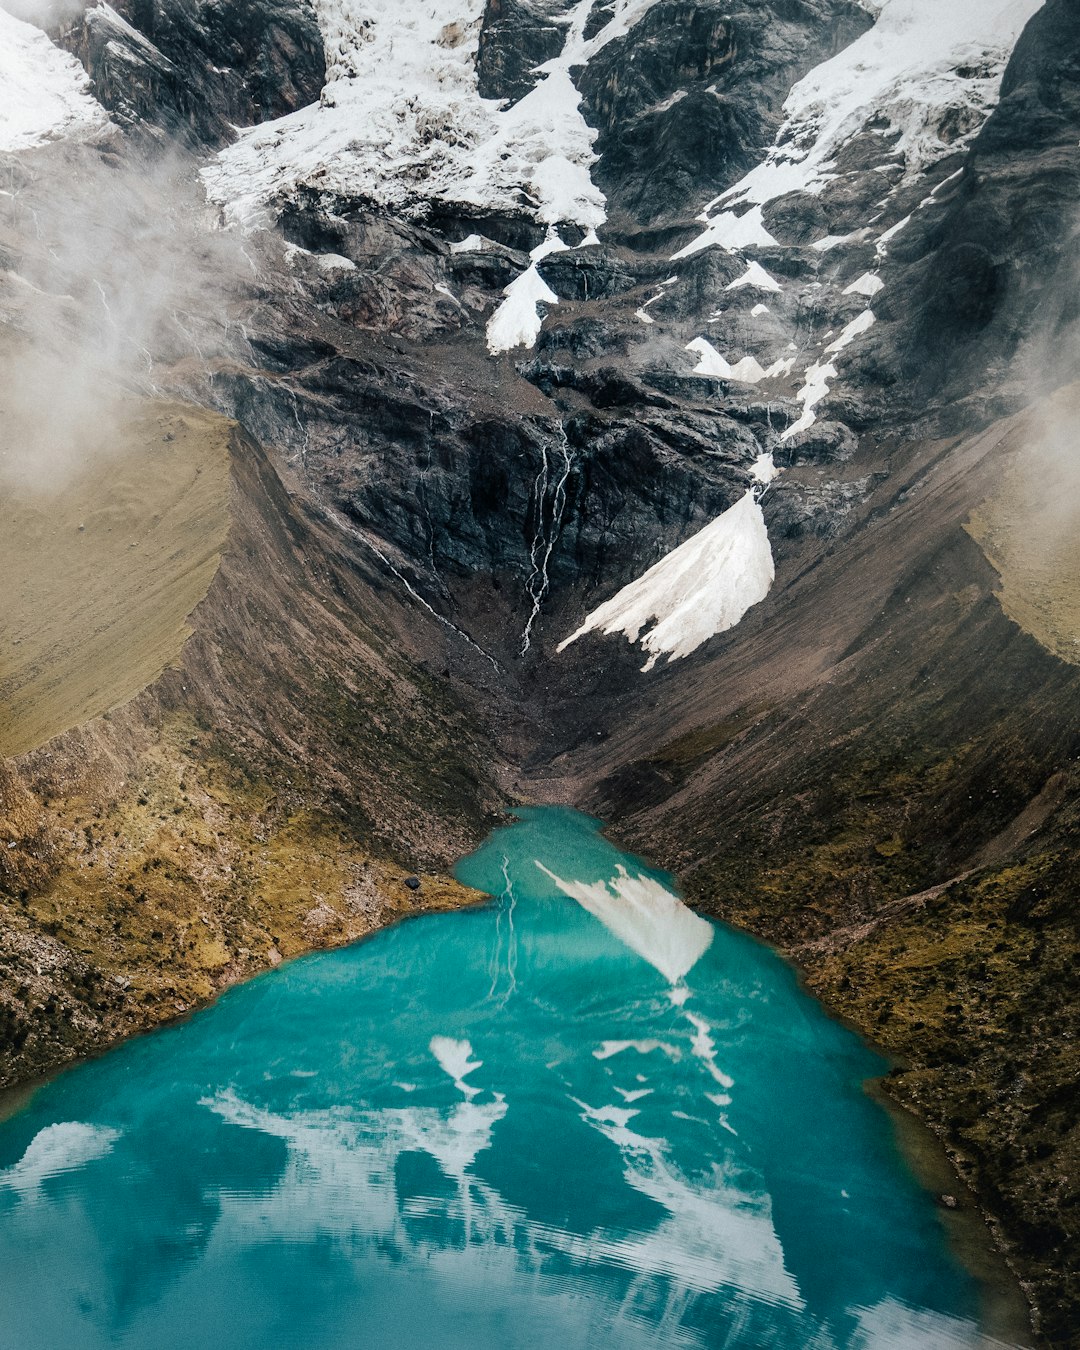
(267, 794)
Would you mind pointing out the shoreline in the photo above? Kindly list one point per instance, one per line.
(16, 1095)
(973, 1235)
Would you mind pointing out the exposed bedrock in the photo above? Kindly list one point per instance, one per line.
(191, 72)
(517, 36)
(692, 96)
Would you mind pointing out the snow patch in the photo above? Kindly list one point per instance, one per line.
(46, 92)
(701, 588)
(829, 241)
(810, 395)
(746, 371)
(763, 469)
(890, 234)
(473, 243)
(868, 284)
(782, 366)
(517, 321)
(755, 275)
(731, 232)
(818, 375)
(858, 325)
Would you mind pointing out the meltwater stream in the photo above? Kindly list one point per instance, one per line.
(577, 1117)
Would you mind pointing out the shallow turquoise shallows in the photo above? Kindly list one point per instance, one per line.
(578, 1117)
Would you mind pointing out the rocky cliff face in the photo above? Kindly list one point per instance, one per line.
(526, 294)
(192, 73)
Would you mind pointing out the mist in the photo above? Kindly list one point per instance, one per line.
(44, 13)
(115, 284)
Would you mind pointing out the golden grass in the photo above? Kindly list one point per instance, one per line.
(100, 570)
(1029, 528)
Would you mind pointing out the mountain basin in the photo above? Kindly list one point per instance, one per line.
(578, 1116)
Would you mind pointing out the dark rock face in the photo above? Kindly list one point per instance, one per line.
(995, 267)
(193, 69)
(515, 38)
(690, 98)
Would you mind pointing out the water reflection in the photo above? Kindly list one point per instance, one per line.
(505, 1128)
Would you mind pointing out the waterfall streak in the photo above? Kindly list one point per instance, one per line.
(362, 538)
(547, 532)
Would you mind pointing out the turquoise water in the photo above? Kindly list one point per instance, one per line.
(560, 1120)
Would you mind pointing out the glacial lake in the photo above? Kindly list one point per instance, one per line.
(577, 1117)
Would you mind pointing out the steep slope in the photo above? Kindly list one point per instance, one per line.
(266, 795)
(225, 738)
(102, 571)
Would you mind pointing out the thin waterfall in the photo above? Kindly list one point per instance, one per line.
(422, 496)
(549, 494)
(361, 537)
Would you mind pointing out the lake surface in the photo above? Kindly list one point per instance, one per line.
(580, 1116)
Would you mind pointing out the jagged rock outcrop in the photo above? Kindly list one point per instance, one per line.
(693, 95)
(194, 71)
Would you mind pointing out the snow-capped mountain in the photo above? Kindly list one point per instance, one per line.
(659, 405)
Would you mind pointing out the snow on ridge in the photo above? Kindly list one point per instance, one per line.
(46, 92)
(701, 588)
(401, 121)
(912, 66)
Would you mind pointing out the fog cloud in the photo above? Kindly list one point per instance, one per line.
(113, 278)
